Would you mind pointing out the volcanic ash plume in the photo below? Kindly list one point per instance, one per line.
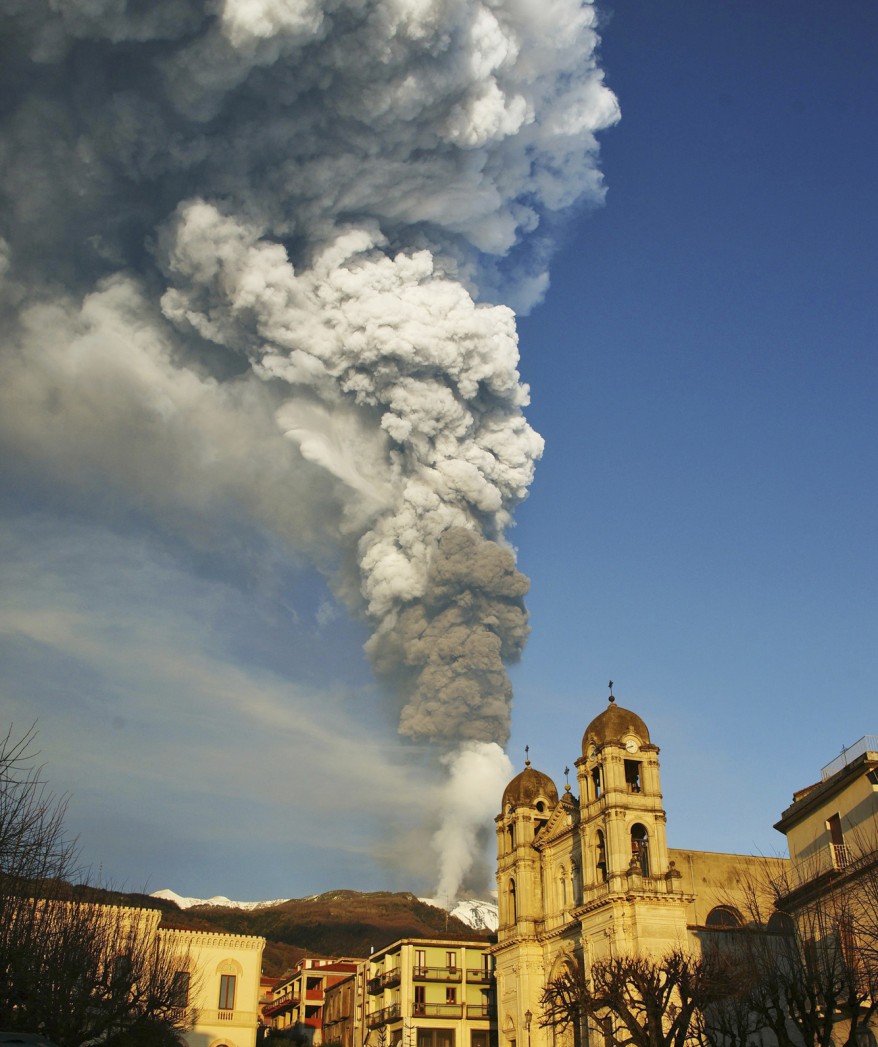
(249, 253)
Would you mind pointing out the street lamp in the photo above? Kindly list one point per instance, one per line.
(527, 1020)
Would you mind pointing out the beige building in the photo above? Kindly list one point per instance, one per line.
(430, 993)
(831, 825)
(219, 976)
(585, 877)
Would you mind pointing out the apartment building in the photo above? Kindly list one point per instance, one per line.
(430, 993)
(299, 999)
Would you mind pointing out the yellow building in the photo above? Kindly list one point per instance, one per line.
(583, 878)
(220, 976)
(431, 993)
(833, 823)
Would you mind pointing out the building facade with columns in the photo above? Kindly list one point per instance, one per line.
(587, 877)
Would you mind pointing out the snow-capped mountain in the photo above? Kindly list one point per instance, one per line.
(219, 900)
(476, 913)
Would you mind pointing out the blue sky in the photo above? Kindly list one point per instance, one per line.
(701, 528)
(703, 370)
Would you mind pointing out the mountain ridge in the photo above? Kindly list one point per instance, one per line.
(335, 923)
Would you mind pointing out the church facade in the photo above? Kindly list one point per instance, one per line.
(584, 878)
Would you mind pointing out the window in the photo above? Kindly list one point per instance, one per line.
(420, 1007)
(640, 848)
(836, 840)
(451, 961)
(451, 994)
(632, 776)
(420, 962)
(180, 989)
(562, 889)
(435, 1038)
(512, 909)
(479, 1038)
(227, 992)
(600, 857)
(596, 781)
(724, 916)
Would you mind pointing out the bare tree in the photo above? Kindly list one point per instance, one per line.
(644, 1002)
(802, 969)
(71, 967)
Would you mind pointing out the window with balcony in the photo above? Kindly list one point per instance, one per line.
(836, 842)
(451, 961)
(228, 983)
(451, 994)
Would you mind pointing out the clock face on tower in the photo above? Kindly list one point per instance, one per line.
(631, 745)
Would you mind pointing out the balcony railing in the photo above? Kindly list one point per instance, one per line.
(437, 1010)
(479, 974)
(382, 1017)
(868, 743)
(379, 982)
(481, 1010)
(241, 1019)
(436, 974)
(276, 1006)
(840, 855)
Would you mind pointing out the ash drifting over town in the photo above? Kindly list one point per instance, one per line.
(259, 261)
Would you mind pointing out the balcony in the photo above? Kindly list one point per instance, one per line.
(479, 975)
(382, 1017)
(481, 1010)
(391, 978)
(436, 974)
(374, 986)
(240, 1019)
(287, 1002)
(437, 1010)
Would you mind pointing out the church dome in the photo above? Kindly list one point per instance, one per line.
(614, 724)
(528, 787)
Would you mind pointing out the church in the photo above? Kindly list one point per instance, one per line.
(584, 878)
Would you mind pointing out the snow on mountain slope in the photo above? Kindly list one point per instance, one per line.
(476, 913)
(219, 900)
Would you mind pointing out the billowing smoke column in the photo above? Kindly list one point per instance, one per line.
(248, 252)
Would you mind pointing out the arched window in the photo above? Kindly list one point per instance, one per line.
(780, 923)
(575, 885)
(640, 847)
(596, 782)
(723, 916)
(600, 860)
(562, 885)
(510, 834)
(511, 908)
